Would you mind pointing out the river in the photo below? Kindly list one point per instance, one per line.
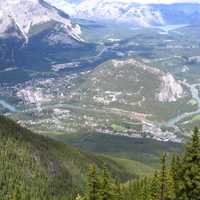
(195, 95)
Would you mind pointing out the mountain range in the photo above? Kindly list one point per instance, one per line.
(38, 33)
(146, 13)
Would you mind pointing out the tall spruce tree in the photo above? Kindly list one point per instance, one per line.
(145, 189)
(93, 184)
(170, 190)
(155, 187)
(117, 191)
(174, 172)
(189, 185)
(163, 177)
(105, 185)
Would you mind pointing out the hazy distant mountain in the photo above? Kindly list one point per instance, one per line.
(150, 12)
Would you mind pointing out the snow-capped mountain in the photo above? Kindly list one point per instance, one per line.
(25, 14)
(32, 29)
(149, 12)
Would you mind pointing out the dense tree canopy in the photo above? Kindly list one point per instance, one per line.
(33, 167)
(178, 181)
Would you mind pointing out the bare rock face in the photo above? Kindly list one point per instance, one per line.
(34, 28)
(171, 90)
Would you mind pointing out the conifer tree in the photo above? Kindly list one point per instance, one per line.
(163, 185)
(155, 187)
(174, 172)
(127, 191)
(170, 189)
(189, 185)
(145, 189)
(105, 185)
(94, 184)
(117, 191)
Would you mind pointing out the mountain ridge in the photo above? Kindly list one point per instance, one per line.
(139, 14)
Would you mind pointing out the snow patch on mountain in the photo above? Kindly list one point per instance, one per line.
(28, 13)
(119, 11)
(5, 23)
(111, 10)
(69, 8)
(145, 1)
(141, 13)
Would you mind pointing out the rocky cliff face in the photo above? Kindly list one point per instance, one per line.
(32, 27)
(25, 14)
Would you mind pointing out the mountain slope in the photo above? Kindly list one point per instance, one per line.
(31, 31)
(27, 14)
(124, 150)
(133, 95)
(37, 167)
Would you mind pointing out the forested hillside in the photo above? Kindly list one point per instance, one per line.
(34, 167)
